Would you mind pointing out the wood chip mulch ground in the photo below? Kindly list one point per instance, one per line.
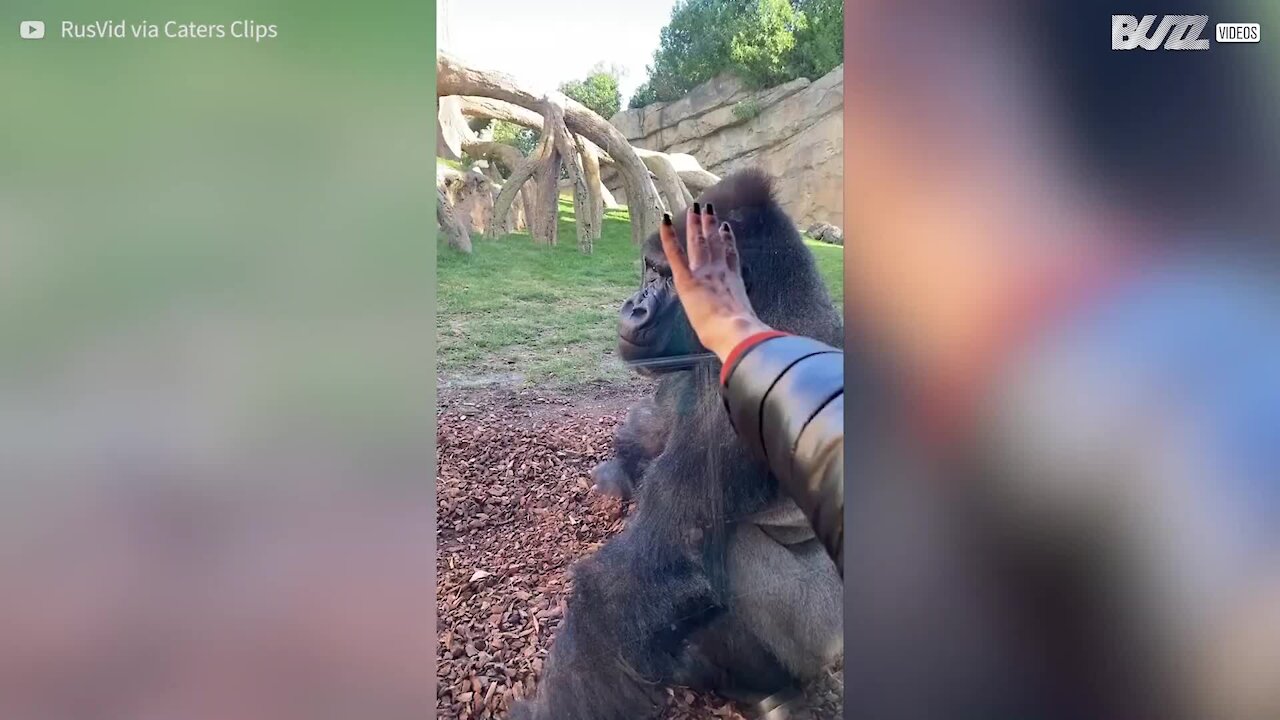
(514, 511)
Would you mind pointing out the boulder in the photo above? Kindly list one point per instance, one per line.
(825, 232)
(470, 193)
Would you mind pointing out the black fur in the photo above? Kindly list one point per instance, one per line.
(658, 605)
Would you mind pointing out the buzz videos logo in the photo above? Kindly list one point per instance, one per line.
(1176, 32)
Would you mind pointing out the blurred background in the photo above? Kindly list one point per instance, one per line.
(1066, 256)
(216, 400)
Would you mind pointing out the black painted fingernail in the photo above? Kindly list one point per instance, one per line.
(709, 210)
(724, 227)
(696, 209)
(666, 218)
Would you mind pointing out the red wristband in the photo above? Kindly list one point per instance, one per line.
(741, 348)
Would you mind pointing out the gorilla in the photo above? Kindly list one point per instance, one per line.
(717, 583)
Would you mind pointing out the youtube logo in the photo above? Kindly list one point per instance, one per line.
(31, 29)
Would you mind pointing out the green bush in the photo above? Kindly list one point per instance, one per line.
(746, 109)
(517, 136)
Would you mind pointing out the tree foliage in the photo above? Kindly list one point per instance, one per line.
(761, 52)
(765, 42)
(645, 94)
(598, 91)
(820, 45)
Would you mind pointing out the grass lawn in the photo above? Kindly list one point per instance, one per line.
(516, 310)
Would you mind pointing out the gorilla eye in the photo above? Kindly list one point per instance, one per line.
(650, 267)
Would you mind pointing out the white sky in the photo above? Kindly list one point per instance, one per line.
(543, 43)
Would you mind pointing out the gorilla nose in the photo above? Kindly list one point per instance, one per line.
(638, 312)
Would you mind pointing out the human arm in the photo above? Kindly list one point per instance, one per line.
(784, 393)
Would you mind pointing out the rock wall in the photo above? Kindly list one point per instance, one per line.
(794, 131)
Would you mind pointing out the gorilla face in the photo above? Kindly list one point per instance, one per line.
(782, 281)
(654, 336)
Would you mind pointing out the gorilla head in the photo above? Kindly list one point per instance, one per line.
(653, 334)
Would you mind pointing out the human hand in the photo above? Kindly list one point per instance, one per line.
(708, 281)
